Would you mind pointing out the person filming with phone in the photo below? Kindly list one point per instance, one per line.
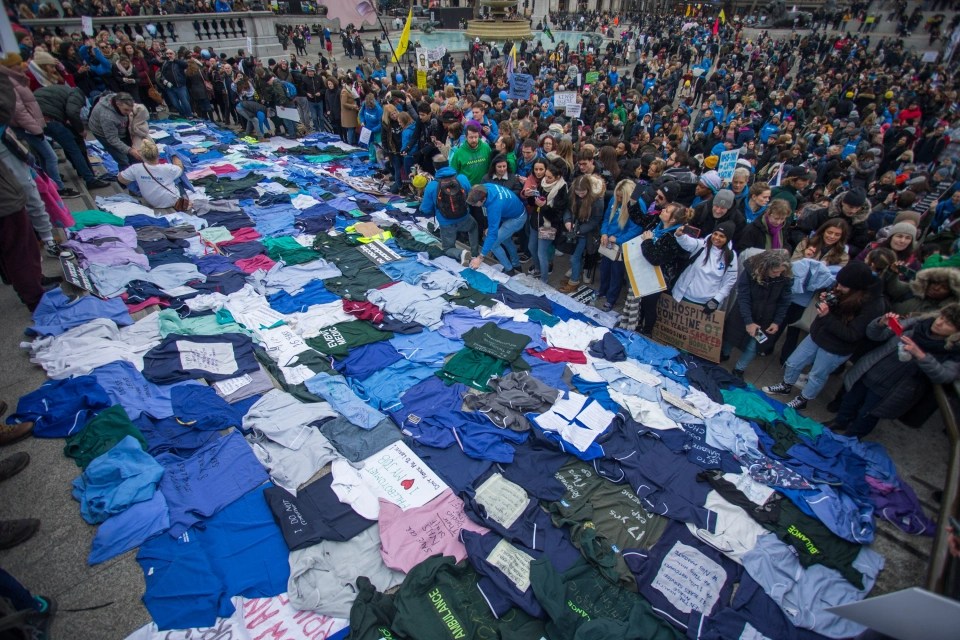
(916, 352)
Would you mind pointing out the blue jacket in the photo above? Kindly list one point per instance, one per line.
(97, 61)
(768, 130)
(428, 206)
(610, 227)
(451, 78)
(494, 130)
(501, 204)
(372, 118)
(408, 139)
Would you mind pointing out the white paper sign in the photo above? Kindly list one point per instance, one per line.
(504, 501)
(397, 474)
(227, 387)
(564, 98)
(690, 580)
(214, 357)
(86, 25)
(644, 277)
(365, 135)
(574, 110)
(513, 563)
(249, 45)
(288, 113)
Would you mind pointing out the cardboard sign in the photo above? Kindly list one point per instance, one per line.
(288, 113)
(728, 162)
(564, 98)
(592, 77)
(574, 110)
(645, 278)
(687, 327)
(421, 79)
(521, 86)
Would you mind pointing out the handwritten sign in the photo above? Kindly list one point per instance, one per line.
(514, 563)
(687, 327)
(86, 25)
(574, 110)
(504, 501)
(398, 475)
(255, 618)
(592, 77)
(728, 162)
(690, 580)
(645, 278)
(521, 86)
(564, 98)
(213, 357)
(436, 54)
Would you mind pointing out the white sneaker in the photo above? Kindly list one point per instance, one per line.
(568, 273)
(465, 257)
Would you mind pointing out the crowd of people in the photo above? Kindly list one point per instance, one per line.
(840, 139)
(28, 10)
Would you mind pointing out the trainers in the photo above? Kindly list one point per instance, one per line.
(12, 465)
(798, 403)
(781, 388)
(40, 621)
(534, 273)
(738, 373)
(465, 257)
(97, 184)
(52, 248)
(568, 273)
(587, 277)
(14, 532)
(67, 192)
(10, 433)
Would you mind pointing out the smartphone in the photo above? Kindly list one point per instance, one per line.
(690, 230)
(908, 274)
(895, 326)
(760, 336)
(535, 194)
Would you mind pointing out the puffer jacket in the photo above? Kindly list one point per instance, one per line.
(27, 115)
(918, 303)
(62, 103)
(108, 123)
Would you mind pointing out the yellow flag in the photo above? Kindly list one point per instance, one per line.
(723, 17)
(689, 10)
(404, 38)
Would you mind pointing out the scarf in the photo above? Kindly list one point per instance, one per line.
(930, 343)
(775, 235)
(553, 190)
(659, 231)
(128, 71)
(42, 79)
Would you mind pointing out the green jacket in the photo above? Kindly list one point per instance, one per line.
(473, 163)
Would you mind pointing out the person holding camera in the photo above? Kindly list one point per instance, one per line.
(764, 291)
(841, 323)
(582, 223)
(885, 383)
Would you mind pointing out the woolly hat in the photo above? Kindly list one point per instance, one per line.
(904, 228)
(856, 275)
(711, 179)
(854, 198)
(799, 172)
(710, 162)
(724, 198)
(11, 60)
(42, 58)
(728, 229)
(670, 190)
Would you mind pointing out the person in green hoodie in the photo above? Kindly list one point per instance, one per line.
(472, 159)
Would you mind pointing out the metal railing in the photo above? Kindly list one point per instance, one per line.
(944, 568)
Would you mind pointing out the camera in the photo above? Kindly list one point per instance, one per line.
(831, 299)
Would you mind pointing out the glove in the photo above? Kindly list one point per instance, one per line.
(710, 306)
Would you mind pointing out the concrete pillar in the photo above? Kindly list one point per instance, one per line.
(539, 8)
(591, 5)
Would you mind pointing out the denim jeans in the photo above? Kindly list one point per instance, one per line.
(746, 356)
(855, 410)
(179, 99)
(351, 133)
(396, 164)
(45, 154)
(448, 236)
(611, 279)
(76, 154)
(824, 363)
(540, 251)
(504, 249)
(317, 116)
(576, 260)
(122, 158)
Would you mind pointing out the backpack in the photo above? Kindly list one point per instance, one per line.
(451, 198)
(290, 89)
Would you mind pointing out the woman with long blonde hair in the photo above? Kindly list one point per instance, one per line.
(617, 228)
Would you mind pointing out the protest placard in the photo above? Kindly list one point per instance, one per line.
(728, 162)
(686, 326)
(521, 85)
(644, 277)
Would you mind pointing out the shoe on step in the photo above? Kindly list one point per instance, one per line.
(97, 184)
(465, 258)
(781, 388)
(798, 403)
(12, 465)
(738, 373)
(14, 532)
(569, 287)
(10, 433)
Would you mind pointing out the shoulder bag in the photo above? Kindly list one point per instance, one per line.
(182, 203)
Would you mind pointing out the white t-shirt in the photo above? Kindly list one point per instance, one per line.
(159, 191)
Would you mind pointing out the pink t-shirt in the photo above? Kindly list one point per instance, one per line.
(410, 537)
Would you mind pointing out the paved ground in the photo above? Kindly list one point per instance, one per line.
(103, 602)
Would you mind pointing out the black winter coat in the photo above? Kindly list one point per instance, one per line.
(703, 218)
(840, 337)
(756, 235)
(761, 304)
(666, 253)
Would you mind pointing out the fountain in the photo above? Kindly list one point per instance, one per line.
(500, 27)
